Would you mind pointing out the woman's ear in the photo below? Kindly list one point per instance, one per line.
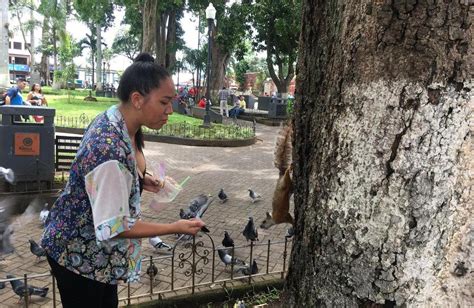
(136, 99)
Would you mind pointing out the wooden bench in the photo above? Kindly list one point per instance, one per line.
(66, 147)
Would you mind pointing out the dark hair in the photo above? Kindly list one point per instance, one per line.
(142, 76)
(34, 86)
(21, 79)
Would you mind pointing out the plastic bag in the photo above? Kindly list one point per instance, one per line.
(168, 192)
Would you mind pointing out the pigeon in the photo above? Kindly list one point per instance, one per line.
(222, 196)
(6, 228)
(44, 213)
(19, 288)
(158, 243)
(227, 241)
(290, 232)
(249, 270)
(7, 174)
(197, 207)
(250, 232)
(152, 271)
(36, 249)
(254, 196)
(228, 259)
(199, 203)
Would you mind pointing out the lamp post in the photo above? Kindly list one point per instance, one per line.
(178, 66)
(210, 15)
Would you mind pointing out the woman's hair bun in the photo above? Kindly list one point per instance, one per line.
(144, 57)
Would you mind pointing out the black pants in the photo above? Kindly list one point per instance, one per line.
(78, 291)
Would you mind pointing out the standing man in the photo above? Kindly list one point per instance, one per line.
(223, 96)
(14, 95)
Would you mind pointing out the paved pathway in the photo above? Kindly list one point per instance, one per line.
(209, 168)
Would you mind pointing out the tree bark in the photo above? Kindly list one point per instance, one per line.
(382, 155)
(170, 53)
(219, 62)
(44, 64)
(99, 77)
(149, 25)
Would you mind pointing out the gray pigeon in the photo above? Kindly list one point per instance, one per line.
(152, 271)
(158, 243)
(249, 270)
(227, 241)
(197, 207)
(44, 213)
(36, 249)
(228, 259)
(254, 196)
(19, 288)
(6, 229)
(7, 174)
(222, 196)
(250, 232)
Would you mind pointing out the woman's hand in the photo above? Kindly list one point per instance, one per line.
(191, 226)
(152, 184)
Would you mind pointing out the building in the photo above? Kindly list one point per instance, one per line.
(19, 59)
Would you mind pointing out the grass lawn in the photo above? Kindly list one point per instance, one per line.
(74, 105)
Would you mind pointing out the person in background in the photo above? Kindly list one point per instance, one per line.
(239, 108)
(202, 102)
(36, 97)
(92, 236)
(223, 97)
(14, 97)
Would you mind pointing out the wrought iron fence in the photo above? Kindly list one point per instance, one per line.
(231, 128)
(190, 265)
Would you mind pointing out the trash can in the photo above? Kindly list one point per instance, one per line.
(28, 146)
(264, 102)
(277, 108)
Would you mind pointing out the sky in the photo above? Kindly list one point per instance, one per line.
(188, 22)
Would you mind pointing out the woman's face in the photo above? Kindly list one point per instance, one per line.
(157, 105)
(36, 88)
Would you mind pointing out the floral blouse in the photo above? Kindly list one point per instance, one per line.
(100, 200)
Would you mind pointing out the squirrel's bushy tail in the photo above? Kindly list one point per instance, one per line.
(283, 148)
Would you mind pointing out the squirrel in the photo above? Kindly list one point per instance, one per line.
(284, 187)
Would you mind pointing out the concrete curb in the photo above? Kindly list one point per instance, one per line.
(178, 140)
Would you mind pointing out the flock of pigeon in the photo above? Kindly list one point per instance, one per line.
(196, 209)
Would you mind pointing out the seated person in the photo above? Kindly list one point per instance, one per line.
(202, 102)
(239, 108)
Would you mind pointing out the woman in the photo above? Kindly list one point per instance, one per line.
(36, 97)
(92, 234)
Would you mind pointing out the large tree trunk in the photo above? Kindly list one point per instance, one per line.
(383, 164)
(219, 61)
(149, 25)
(161, 23)
(170, 55)
(44, 64)
(99, 77)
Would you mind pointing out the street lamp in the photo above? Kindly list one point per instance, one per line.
(210, 15)
(178, 66)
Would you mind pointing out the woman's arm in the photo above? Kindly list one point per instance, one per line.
(143, 229)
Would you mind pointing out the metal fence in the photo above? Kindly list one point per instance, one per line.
(231, 129)
(189, 265)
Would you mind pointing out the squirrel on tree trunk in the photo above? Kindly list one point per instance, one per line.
(284, 187)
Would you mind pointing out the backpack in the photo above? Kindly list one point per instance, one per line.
(4, 95)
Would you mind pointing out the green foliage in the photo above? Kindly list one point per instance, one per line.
(127, 44)
(240, 69)
(97, 12)
(277, 27)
